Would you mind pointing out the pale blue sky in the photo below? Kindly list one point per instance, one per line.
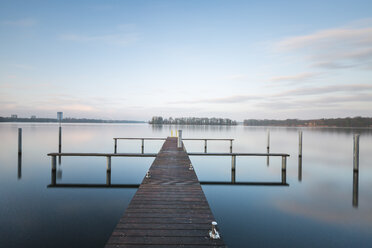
(234, 59)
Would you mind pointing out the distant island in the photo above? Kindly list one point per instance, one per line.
(65, 120)
(192, 121)
(337, 122)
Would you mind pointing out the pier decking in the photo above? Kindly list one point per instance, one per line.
(169, 209)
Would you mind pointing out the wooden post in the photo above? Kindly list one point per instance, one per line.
(19, 140)
(19, 166)
(355, 188)
(299, 169)
(116, 146)
(143, 146)
(300, 143)
(356, 152)
(179, 140)
(233, 165)
(54, 170)
(284, 163)
(108, 177)
(60, 140)
(284, 176)
(268, 158)
(205, 146)
(54, 162)
(268, 140)
(108, 163)
(231, 143)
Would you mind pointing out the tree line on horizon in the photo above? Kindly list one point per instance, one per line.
(192, 121)
(332, 122)
(65, 120)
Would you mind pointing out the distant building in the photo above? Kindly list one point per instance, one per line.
(59, 116)
(33, 116)
(14, 116)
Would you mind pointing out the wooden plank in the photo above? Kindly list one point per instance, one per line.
(169, 209)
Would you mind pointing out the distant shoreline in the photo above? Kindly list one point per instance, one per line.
(65, 120)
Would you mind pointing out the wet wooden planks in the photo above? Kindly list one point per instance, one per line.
(169, 209)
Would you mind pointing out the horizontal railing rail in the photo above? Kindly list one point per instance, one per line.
(103, 185)
(238, 154)
(157, 138)
(66, 154)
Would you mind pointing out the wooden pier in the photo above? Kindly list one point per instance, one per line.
(169, 209)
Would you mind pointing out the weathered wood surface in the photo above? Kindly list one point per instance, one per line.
(169, 209)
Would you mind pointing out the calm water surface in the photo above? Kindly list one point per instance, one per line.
(318, 209)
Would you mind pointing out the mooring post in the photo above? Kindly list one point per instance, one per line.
(284, 162)
(108, 163)
(19, 140)
(108, 177)
(116, 145)
(356, 152)
(205, 146)
(54, 170)
(300, 143)
(19, 166)
(231, 141)
(284, 176)
(60, 140)
(355, 188)
(143, 146)
(299, 169)
(54, 162)
(268, 140)
(233, 165)
(179, 140)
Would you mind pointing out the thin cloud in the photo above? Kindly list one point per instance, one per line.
(337, 48)
(19, 23)
(221, 100)
(110, 39)
(326, 90)
(294, 78)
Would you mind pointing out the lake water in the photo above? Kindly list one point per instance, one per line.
(323, 206)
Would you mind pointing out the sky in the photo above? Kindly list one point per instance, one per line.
(208, 58)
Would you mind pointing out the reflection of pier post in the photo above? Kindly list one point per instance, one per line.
(299, 168)
(205, 146)
(19, 166)
(268, 140)
(143, 146)
(116, 146)
(54, 170)
(233, 165)
(268, 157)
